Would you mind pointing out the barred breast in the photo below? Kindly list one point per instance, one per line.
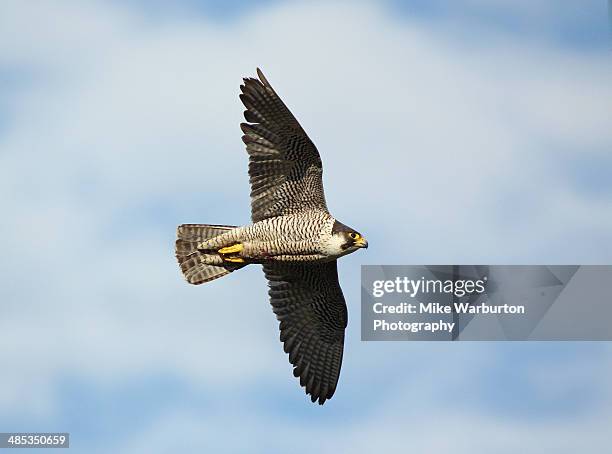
(294, 237)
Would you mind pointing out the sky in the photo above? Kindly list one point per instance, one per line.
(451, 133)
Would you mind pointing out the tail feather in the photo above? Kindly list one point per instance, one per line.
(193, 262)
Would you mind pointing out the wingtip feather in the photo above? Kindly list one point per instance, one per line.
(263, 79)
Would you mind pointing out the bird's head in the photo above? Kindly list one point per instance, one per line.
(345, 240)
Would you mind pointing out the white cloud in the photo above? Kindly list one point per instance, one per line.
(434, 406)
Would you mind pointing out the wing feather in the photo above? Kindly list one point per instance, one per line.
(284, 165)
(308, 302)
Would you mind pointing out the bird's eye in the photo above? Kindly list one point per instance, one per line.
(354, 235)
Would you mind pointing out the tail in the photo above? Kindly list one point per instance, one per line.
(192, 261)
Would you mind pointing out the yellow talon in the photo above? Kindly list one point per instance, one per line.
(234, 249)
(233, 259)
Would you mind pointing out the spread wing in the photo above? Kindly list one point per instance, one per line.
(309, 304)
(284, 165)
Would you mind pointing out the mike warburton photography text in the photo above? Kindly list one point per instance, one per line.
(415, 287)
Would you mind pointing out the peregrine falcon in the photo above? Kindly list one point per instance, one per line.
(293, 236)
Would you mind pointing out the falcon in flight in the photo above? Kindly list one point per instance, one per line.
(293, 236)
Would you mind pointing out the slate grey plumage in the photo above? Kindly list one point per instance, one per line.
(292, 235)
(285, 168)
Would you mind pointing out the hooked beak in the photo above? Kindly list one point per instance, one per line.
(361, 242)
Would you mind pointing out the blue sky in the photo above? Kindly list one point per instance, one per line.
(463, 132)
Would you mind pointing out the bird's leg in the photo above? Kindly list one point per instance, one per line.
(232, 253)
(228, 246)
(233, 249)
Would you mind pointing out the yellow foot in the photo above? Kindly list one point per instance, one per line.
(233, 259)
(234, 249)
